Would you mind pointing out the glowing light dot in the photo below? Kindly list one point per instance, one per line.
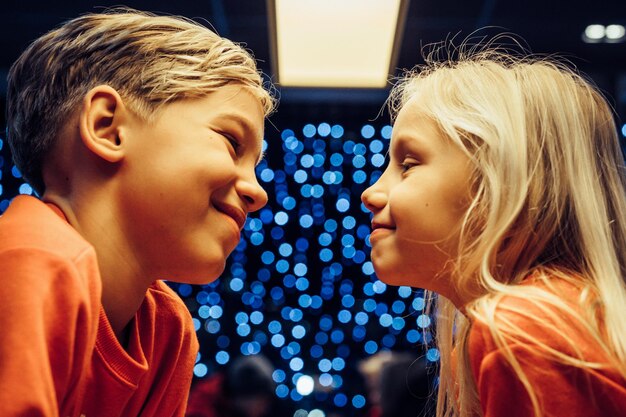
(307, 161)
(306, 221)
(326, 255)
(278, 375)
(338, 364)
(289, 203)
(615, 32)
(378, 160)
(26, 189)
(359, 177)
(16, 172)
(296, 364)
(419, 303)
(371, 347)
(309, 130)
(336, 131)
(595, 32)
(256, 238)
(222, 357)
(300, 413)
(305, 385)
(236, 284)
(379, 287)
(340, 400)
(367, 131)
(404, 291)
(323, 129)
(298, 332)
(285, 249)
(343, 205)
(281, 218)
(267, 175)
(385, 320)
(282, 391)
(336, 159)
(200, 370)
(300, 269)
(358, 401)
(413, 336)
(376, 146)
(432, 355)
(423, 321)
(286, 133)
(300, 176)
(277, 340)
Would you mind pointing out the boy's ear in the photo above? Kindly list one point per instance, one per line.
(101, 116)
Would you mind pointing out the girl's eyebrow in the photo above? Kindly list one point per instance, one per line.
(260, 158)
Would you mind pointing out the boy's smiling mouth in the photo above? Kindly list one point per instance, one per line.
(235, 213)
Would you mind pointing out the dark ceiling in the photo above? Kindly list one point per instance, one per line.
(548, 26)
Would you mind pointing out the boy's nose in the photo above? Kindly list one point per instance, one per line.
(252, 194)
(373, 198)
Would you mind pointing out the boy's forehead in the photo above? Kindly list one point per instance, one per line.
(251, 126)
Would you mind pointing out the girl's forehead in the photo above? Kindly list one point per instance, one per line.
(412, 115)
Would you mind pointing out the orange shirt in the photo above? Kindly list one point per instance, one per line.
(562, 390)
(58, 353)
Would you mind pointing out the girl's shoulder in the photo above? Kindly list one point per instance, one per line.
(545, 335)
(552, 314)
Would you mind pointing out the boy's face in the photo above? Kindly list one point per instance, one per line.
(418, 204)
(188, 182)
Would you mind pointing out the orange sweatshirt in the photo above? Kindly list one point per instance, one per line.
(562, 390)
(58, 353)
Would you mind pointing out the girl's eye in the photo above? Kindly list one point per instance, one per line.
(408, 163)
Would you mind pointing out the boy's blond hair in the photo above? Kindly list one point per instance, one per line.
(549, 200)
(150, 60)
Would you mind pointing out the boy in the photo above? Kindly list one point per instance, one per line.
(141, 134)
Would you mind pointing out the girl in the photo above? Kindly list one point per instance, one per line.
(505, 194)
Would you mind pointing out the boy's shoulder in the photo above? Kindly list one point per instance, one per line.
(164, 315)
(30, 224)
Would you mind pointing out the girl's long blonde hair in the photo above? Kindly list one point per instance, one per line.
(548, 200)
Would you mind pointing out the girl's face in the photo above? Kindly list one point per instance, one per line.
(418, 205)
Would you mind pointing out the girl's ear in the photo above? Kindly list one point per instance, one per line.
(101, 116)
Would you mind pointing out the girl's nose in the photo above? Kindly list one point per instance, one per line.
(373, 198)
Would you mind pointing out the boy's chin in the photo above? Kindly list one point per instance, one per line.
(199, 276)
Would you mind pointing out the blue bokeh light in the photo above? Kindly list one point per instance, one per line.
(300, 287)
(385, 132)
(367, 131)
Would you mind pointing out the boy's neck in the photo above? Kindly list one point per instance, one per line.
(124, 284)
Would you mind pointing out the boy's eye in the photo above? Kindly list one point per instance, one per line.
(233, 142)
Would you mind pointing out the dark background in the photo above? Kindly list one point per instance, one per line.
(281, 295)
(548, 26)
